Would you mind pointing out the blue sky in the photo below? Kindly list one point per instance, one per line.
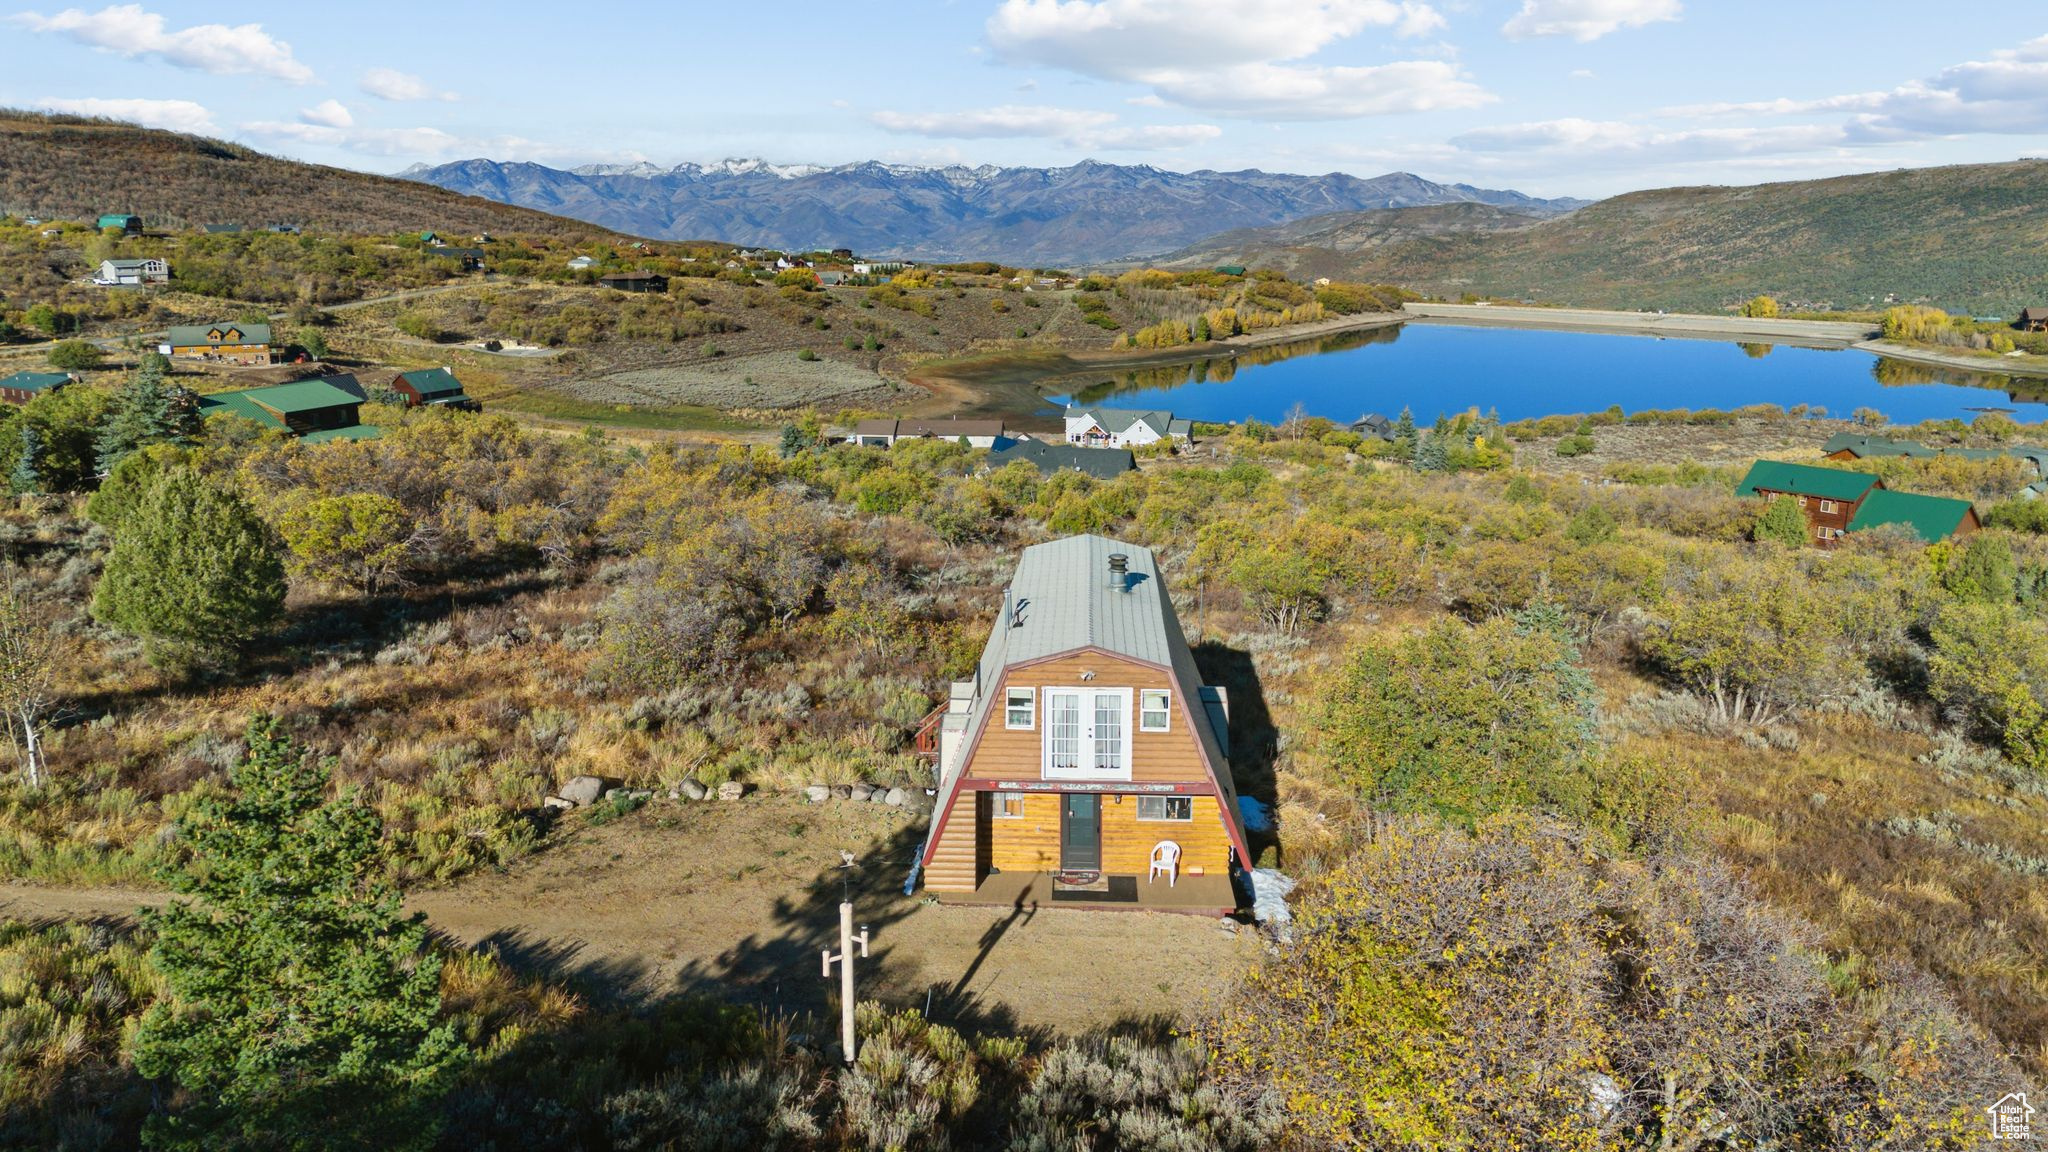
(1555, 97)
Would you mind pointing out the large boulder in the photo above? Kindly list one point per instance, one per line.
(862, 791)
(817, 793)
(895, 797)
(691, 790)
(582, 791)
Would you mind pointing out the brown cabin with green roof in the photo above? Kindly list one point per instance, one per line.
(234, 343)
(304, 408)
(23, 387)
(1837, 502)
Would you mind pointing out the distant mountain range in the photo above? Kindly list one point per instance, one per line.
(1084, 214)
(1968, 238)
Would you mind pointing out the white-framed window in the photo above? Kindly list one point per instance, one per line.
(1802, 501)
(1087, 734)
(1166, 808)
(1006, 805)
(1827, 505)
(1154, 711)
(1019, 707)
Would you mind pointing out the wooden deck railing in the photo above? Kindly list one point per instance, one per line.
(926, 742)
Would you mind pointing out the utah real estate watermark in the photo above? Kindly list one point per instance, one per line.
(2010, 1117)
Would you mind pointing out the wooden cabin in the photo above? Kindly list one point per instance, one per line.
(1837, 502)
(1085, 749)
(2033, 320)
(315, 410)
(433, 387)
(23, 387)
(233, 343)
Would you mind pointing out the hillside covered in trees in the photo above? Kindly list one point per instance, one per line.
(1969, 238)
(76, 168)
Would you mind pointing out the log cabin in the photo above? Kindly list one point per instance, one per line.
(232, 343)
(1085, 749)
(1836, 502)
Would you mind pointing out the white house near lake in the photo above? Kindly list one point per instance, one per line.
(1124, 427)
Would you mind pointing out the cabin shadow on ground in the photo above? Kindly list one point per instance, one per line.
(780, 968)
(1254, 740)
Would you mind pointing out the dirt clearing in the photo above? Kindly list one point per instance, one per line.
(737, 899)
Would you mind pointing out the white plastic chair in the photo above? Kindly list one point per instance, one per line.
(1165, 858)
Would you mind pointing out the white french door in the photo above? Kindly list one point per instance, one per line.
(1087, 733)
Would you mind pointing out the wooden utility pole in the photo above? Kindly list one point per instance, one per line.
(844, 958)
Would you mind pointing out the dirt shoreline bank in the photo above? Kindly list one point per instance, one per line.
(1803, 333)
(2033, 367)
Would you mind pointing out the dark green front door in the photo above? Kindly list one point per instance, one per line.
(1081, 833)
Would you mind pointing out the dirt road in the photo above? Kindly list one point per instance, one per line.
(737, 900)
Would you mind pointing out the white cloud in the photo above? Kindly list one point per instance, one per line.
(328, 113)
(1582, 74)
(1236, 57)
(1007, 121)
(1276, 92)
(175, 115)
(420, 142)
(1585, 20)
(132, 31)
(424, 143)
(1147, 137)
(1639, 143)
(391, 84)
(1080, 128)
(2004, 95)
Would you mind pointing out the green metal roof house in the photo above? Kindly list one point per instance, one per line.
(432, 387)
(1836, 502)
(1776, 477)
(306, 408)
(1851, 446)
(23, 387)
(124, 221)
(1931, 518)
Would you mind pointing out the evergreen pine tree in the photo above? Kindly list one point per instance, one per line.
(27, 474)
(1432, 454)
(193, 571)
(1404, 432)
(301, 1004)
(146, 412)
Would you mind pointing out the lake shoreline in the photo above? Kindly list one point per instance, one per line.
(1024, 387)
(2032, 368)
(995, 383)
(1821, 334)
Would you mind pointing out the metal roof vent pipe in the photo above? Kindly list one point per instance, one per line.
(1119, 571)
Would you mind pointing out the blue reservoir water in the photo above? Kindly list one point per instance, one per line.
(1441, 368)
